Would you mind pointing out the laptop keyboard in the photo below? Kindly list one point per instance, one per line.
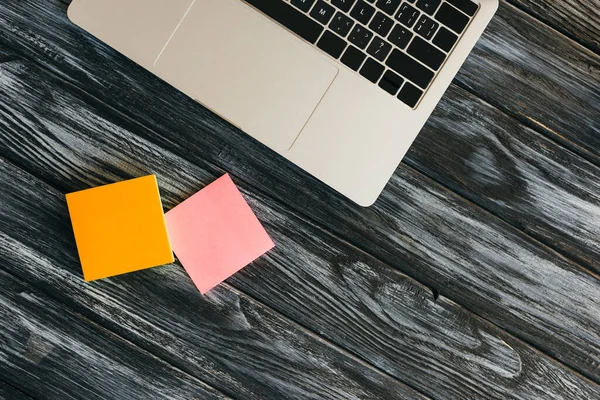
(400, 45)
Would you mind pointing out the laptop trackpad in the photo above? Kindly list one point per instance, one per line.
(245, 68)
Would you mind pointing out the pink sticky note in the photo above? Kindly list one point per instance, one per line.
(214, 234)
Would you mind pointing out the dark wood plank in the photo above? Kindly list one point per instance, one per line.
(580, 20)
(518, 174)
(318, 280)
(224, 338)
(536, 74)
(53, 353)
(8, 392)
(398, 229)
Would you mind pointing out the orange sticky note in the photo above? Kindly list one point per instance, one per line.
(119, 228)
(214, 234)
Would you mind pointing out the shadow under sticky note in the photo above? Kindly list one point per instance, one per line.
(214, 234)
(119, 228)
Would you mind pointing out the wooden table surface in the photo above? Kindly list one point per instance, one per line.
(476, 275)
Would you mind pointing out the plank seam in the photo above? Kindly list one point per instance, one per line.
(18, 389)
(547, 23)
(566, 144)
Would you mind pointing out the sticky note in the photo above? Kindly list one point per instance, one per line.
(119, 228)
(214, 234)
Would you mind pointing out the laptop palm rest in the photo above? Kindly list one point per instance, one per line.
(239, 64)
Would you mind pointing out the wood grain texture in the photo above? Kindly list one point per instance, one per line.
(328, 286)
(539, 76)
(8, 392)
(224, 338)
(53, 353)
(179, 124)
(578, 19)
(528, 180)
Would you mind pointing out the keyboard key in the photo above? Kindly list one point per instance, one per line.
(428, 6)
(379, 48)
(410, 68)
(331, 44)
(291, 18)
(388, 6)
(391, 82)
(426, 53)
(360, 36)
(400, 36)
(445, 39)
(410, 94)
(353, 58)
(466, 6)
(407, 15)
(452, 18)
(381, 24)
(322, 12)
(304, 5)
(343, 5)
(341, 24)
(372, 70)
(362, 12)
(426, 27)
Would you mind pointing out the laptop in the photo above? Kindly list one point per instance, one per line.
(341, 88)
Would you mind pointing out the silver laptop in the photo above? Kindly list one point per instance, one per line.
(339, 87)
